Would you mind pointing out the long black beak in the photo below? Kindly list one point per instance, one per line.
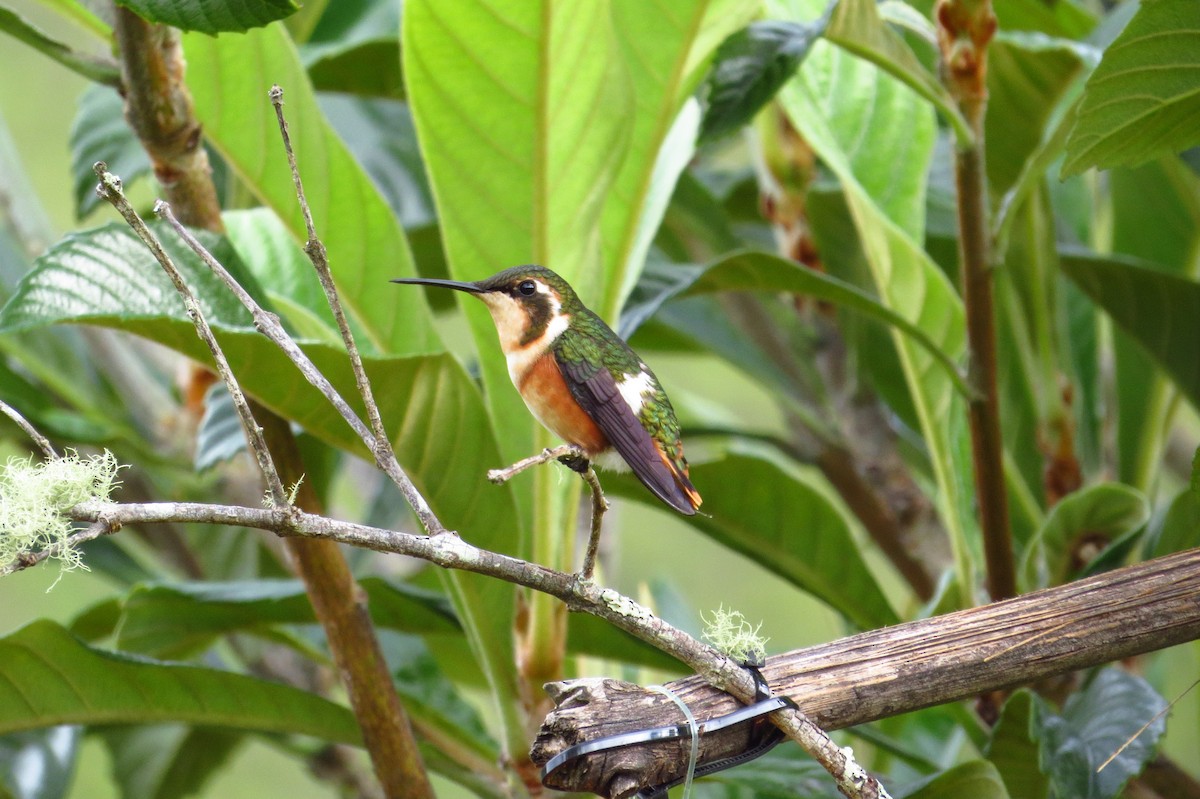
(459, 285)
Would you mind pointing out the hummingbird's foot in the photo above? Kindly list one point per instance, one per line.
(575, 462)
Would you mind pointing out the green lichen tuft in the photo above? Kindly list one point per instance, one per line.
(36, 497)
(728, 631)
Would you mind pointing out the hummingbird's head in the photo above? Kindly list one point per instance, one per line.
(526, 302)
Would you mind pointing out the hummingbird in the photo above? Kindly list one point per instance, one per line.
(581, 381)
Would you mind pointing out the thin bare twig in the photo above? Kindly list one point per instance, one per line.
(599, 502)
(502, 476)
(42, 442)
(110, 190)
(316, 252)
(599, 507)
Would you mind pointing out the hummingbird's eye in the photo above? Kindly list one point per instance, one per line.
(527, 287)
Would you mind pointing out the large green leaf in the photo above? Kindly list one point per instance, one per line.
(785, 519)
(876, 136)
(1116, 712)
(229, 77)
(1143, 99)
(175, 621)
(1161, 311)
(665, 49)
(48, 677)
(212, 16)
(1104, 512)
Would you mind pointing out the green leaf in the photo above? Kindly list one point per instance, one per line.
(355, 48)
(48, 677)
(1155, 218)
(38, 764)
(175, 621)
(749, 67)
(977, 779)
(95, 69)
(1159, 310)
(1100, 513)
(1143, 99)
(1013, 749)
(100, 133)
(1094, 724)
(877, 138)
(229, 77)
(755, 271)
(785, 519)
(212, 16)
(167, 761)
(435, 702)
(857, 27)
(1028, 77)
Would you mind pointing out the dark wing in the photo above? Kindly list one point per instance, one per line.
(595, 389)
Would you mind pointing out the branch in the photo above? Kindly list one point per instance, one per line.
(42, 442)
(158, 107)
(899, 669)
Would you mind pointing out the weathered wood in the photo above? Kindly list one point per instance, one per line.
(884, 672)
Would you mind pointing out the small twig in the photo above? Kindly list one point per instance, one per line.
(381, 446)
(599, 507)
(103, 526)
(110, 190)
(501, 476)
(599, 502)
(31, 431)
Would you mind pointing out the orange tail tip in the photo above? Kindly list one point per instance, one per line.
(687, 498)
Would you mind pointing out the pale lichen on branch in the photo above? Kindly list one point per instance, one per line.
(36, 500)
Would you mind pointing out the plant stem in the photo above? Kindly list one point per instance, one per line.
(964, 29)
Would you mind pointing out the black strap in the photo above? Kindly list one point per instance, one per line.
(764, 737)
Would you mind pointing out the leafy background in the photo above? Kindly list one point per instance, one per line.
(481, 134)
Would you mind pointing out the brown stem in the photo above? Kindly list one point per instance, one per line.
(965, 28)
(340, 605)
(158, 107)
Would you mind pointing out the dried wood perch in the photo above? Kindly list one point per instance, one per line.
(884, 672)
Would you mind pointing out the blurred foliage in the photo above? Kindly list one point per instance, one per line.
(760, 194)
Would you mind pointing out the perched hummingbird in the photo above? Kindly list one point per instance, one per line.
(581, 381)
